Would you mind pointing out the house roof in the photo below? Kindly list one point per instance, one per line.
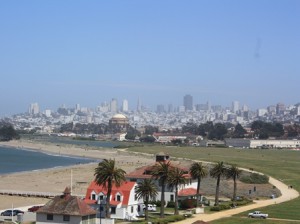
(67, 205)
(188, 192)
(124, 190)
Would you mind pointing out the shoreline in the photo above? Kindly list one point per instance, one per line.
(54, 180)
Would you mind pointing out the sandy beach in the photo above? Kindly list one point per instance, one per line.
(55, 180)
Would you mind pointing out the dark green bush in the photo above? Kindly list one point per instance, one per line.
(245, 201)
(188, 203)
(255, 178)
(220, 207)
(157, 203)
(171, 204)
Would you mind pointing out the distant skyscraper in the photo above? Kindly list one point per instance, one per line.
(235, 106)
(125, 105)
(245, 108)
(139, 105)
(77, 107)
(34, 108)
(160, 108)
(280, 108)
(188, 102)
(208, 106)
(170, 108)
(114, 105)
(48, 113)
(298, 110)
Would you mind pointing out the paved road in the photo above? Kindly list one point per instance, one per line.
(286, 195)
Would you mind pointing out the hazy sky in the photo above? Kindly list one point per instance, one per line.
(67, 51)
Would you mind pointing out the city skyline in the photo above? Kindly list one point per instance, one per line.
(69, 52)
(118, 106)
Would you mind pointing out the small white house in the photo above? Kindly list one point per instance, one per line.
(123, 203)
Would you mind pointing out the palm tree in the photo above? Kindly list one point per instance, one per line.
(218, 171)
(107, 174)
(176, 179)
(198, 171)
(146, 189)
(161, 172)
(234, 172)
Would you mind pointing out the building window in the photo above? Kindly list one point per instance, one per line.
(131, 209)
(139, 208)
(49, 216)
(113, 210)
(171, 197)
(66, 218)
(101, 197)
(118, 197)
(93, 197)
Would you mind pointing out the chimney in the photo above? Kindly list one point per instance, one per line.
(67, 193)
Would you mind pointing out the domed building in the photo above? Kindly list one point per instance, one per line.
(119, 122)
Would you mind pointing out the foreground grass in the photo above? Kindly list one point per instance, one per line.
(236, 220)
(280, 164)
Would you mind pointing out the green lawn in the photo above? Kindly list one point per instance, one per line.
(280, 164)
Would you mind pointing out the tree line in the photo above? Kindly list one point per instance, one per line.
(107, 174)
(259, 129)
(7, 132)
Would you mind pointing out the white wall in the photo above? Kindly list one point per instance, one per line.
(42, 219)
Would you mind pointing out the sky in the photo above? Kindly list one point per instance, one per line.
(88, 52)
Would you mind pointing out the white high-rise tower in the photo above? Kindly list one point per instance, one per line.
(125, 105)
(34, 108)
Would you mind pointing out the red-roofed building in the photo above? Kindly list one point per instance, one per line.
(124, 204)
(145, 173)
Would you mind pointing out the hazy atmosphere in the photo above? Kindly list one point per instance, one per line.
(67, 52)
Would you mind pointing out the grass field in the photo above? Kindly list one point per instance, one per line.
(280, 164)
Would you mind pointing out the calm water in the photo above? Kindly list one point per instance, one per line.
(17, 160)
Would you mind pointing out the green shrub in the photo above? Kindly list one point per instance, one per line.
(220, 207)
(171, 204)
(188, 203)
(245, 201)
(255, 178)
(157, 203)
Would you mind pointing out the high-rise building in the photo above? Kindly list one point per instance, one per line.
(34, 109)
(208, 106)
(114, 105)
(188, 102)
(235, 106)
(125, 105)
(298, 110)
(280, 108)
(170, 108)
(139, 105)
(160, 108)
(77, 107)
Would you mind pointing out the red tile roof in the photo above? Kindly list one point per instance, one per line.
(188, 192)
(124, 190)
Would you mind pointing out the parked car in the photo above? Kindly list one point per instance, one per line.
(150, 207)
(34, 208)
(257, 214)
(11, 212)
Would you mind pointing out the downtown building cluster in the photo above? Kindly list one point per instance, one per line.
(165, 117)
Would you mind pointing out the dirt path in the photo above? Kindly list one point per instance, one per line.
(287, 194)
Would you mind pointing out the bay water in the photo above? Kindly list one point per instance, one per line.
(14, 160)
